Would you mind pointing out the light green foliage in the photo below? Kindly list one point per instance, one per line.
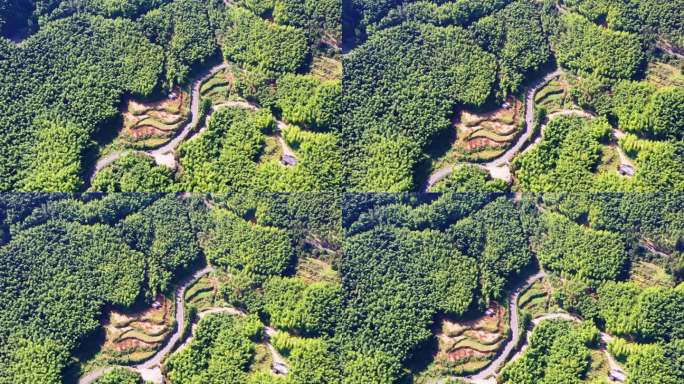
(56, 164)
(650, 18)
(494, 236)
(406, 81)
(586, 254)
(661, 168)
(566, 158)
(459, 12)
(557, 354)
(654, 314)
(318, 168)
(183, 29)
(36, 363)
(389, 165)
(219, 353)
(74, 71)
(90, 265)
(165, 233)
(320, 308)
(649, 365)
(310, 310)
(313, 362)
(589, 49)
(306, 100)
(249, 249)
(261, 46)
(316, 15)
(106, 8)
(371, 368)
(395, 280)
(659, 314)
(650, 112)
(223, 158)
(470, 179)
(120, 376)
(616, 301)
(133, 173)
(515, 35)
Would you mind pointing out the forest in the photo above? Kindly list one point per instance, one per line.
(353, 288)
(341, 192)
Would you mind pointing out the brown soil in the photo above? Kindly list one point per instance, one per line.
(155, 110)
(482, 142)
(146, 131)
(462, 353)
(486, 337)
(491, 121)
(130, 344)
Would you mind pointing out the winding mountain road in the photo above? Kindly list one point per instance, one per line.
(150, 369)
(490, 373)
(499, 168)
(166, 154)
(669, 49)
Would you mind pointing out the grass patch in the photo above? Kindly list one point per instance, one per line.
(135, 334)
(326, 68)
(487, 155)
(493, 136)
(598, 368)
(665, 75)
(647, 275)
(478, 346)
(313, 270)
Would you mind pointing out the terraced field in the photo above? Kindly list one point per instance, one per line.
(481, 137)
(536, 300)
(648, 275)
(204, 293)
(555, 96)
(665, 75)
(468, 347)
(219, 87)
(134, 337)
(152, 124)
(313, 270)
(326, 68)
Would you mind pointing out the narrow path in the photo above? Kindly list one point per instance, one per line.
(615, 368)
(171, 146)
(287, 151)
(651, 247)
(490, 377)
(500, 167)
(624, 159)
(150, 369)
(669, 49)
